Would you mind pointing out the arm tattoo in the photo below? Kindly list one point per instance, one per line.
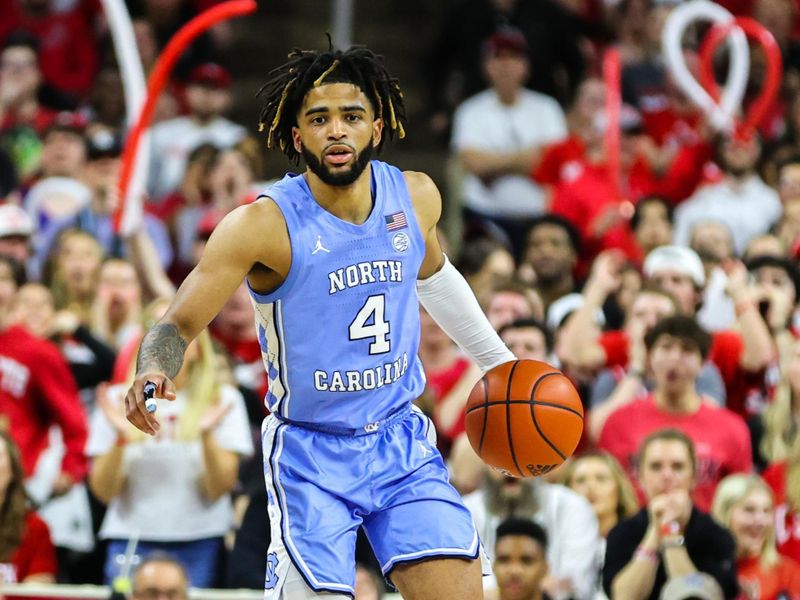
(162, 350)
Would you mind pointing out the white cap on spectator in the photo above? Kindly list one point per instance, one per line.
(677, 258)
(694, 585)
(566, 305)
(14, 221)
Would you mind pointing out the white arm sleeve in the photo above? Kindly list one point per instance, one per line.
(449, 300)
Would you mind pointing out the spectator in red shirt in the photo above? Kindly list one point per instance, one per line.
(743, 504)
(20, 79)
(26, 553)
(676, 348)
(560, 160)
(68, 52)
(447, 370)
(739, 356)
(37, 391)
(233, 328)
(597, 202)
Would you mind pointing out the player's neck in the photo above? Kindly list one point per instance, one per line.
(351, 203)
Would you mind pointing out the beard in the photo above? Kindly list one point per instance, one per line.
(338, 178)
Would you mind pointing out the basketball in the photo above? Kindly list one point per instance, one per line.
(524, 418)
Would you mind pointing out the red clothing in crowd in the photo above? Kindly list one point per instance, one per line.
(721, 439)
(67, 52)
(34, 556)
(726, 353)
(41, 120)
(779, 582)
(246, 355)
(440, 383)
(787, 526)
(583, 191)
(37, 390)
(679, 132)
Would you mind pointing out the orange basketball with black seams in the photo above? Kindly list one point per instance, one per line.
(524, 418)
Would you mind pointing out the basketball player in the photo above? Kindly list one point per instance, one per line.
(335, 259)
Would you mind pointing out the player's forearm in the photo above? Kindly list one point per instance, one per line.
(221, 468)
(162, 350)
(449, 300)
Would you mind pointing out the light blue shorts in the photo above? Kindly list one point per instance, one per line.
(322, 487)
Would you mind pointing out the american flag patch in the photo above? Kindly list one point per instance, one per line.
(396, 221)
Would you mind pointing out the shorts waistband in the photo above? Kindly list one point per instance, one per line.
(368, 429)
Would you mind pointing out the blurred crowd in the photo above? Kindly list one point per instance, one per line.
(667, 292)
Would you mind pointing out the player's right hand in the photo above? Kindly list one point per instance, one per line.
(135, 409)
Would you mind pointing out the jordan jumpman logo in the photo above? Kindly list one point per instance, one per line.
(319, 247)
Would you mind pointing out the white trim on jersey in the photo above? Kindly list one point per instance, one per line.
(283, 371)
(275, 358)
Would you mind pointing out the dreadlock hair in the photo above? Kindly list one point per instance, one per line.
(306, 69)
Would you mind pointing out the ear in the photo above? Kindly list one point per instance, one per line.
(377, 132)
(297, 141)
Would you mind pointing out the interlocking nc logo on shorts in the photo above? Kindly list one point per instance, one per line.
(271, 579)
(372, 427)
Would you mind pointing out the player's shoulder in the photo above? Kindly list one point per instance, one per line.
(420, 183)
(252, 217)
(425, 197)
(251, 232)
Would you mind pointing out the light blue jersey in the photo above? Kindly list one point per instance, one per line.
(339, 337)
(343, 448)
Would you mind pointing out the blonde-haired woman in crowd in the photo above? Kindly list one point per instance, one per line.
(782, 417)
(72, 272)
(598, 477)
(171, 491)
(784, 479)
(744, 504)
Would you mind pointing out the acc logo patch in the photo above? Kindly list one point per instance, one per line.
(401, 242)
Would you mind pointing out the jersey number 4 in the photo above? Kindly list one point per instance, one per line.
(370, 323)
